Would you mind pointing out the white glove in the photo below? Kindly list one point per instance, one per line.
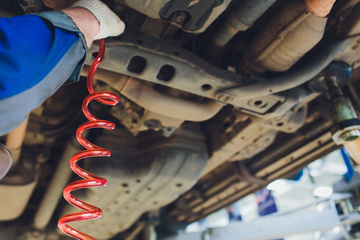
(110, 23)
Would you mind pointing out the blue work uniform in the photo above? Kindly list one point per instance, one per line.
(38, 54)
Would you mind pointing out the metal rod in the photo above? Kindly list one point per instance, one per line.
(136, 231)
(292, 79)
(243, 16)
(145, 96)
(58, 182)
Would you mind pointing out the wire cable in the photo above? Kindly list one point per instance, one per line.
(92, 150)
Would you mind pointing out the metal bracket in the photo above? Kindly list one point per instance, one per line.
(190, 14)
(341, 72)
(166, 64)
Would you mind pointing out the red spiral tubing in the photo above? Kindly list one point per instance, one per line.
(90, 180)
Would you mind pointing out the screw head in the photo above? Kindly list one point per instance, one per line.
(180, 17)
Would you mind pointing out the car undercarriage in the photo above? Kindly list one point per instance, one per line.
(218, 98)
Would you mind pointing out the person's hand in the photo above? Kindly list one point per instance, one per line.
(95, 20)
(110, 23)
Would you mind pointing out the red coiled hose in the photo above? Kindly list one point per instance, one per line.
(90, 180)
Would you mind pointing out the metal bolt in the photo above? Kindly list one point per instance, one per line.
(180, 17)
(153, 124)
(350, 135)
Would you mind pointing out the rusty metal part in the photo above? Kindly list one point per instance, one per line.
(346, 125)
(285, 39)
(233, 134)
(222, 186)
(331, 79)
(244, 174)
(235, 140)
(189, 14)
(291, 121)
(320, 8)
(292, 79)
(159, 122)
(152, 9)
(155, 101)
(164, 64)
(143, 174)
(134, 117)
(114, 79)
(53, 193)
(242, 16)
(341, 109)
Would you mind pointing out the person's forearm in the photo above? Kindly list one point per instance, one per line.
(36, 58)
(85, 21)
(39, 52)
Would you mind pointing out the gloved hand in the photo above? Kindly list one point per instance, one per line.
(110, 23)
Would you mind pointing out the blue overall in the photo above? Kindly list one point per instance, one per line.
(38, 54)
